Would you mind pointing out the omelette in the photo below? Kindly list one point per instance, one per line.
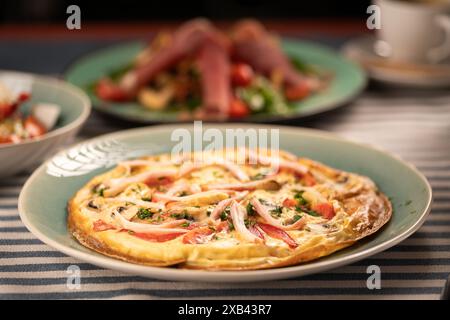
(237, 209)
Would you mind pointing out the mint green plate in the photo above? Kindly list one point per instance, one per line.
(348, 80)
(43, 199)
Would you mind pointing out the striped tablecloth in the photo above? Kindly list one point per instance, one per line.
(414, 125)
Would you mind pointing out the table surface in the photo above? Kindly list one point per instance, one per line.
(413, 124)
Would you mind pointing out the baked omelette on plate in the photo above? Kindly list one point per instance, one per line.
(231, 210)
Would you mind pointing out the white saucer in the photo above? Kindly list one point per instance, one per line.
(393, 72)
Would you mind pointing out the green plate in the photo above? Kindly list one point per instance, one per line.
(348, 81)
(43, 199)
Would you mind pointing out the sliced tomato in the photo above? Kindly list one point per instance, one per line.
(278, 233)
(308, 179)
(109, 91)
(238, 109)
(289, 203)
(157, 237)
(7, 109)
(198, 236)
(326, 210)
(241, 74)
(101, 225)
(222, 226)
(297, 92)
(34, 127)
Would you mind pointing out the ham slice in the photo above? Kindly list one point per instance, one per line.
(264, 213)
(235, 170)
(255, 46)
(201, 198)
(186, 41)
(265, 184)
(237, 216)
(115, 186)
(277, 162)
(163, 228)
(141, 203)
(221, 206)
(214, 67)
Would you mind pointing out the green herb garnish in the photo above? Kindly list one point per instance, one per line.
(144, 213)
(250, 209)
(299, 197)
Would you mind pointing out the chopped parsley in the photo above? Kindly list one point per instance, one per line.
(230, 226)
(147, 199)
(144, 213)
(185, 225)
(299, 197)
(249, 223)
(276, 211)
(225, 213)
(296, 218)
(183, 215)
(99, 190)
(250, 209)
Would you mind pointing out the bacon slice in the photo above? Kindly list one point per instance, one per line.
(265, 184)
(255, 46)
(278, 233)
(237, 217)
(117, 185)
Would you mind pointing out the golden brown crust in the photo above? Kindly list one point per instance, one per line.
(353, 226)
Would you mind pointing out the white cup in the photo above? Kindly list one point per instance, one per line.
(414, 31)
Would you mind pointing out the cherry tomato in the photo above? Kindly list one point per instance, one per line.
(297, 92)
(241, 74)
(238, 109)
(7, 109)
(108, 91)
(34, 127)
(326, 210)
(289, 203)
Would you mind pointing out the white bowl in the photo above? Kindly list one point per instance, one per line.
(75, 109)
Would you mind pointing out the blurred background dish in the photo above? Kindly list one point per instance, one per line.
(345, 81)
(46, 93)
